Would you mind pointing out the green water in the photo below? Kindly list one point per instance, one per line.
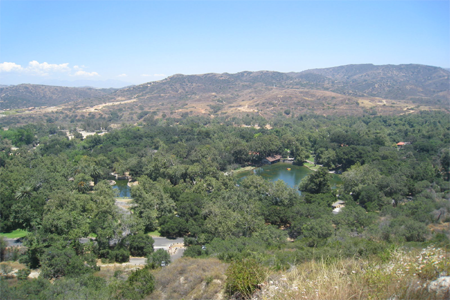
(279, 171)
(123, 188)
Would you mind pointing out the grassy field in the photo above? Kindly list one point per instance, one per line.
(248, 168)
(154, 233)
(311, 166)
(18, 233)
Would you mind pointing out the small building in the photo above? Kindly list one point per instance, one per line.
(271, 159)
(400, 145)
(338, 206)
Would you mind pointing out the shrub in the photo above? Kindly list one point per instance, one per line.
(243, 277)
(3, 245)
(155, 259)
(23, 274)
(195, 251)
(140, 244)
(119, 255)
(140, 284)
(58, 263)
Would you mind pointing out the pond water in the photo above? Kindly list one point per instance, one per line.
(279, 171)
(123, 188)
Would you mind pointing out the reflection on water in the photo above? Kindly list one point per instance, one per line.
(123, 188)
(279, 171)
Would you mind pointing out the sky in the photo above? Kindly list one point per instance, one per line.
(116, 43)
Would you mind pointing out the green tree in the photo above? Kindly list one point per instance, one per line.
(3, 245)
(56, 263)
(173, 226)
(139, 284)
(300, 155)
(370, 198)
(316, 230)
(155, 259)
(317, 182)
(140, 244)
(445, 163)
(82, 183)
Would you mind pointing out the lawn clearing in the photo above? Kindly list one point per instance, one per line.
(154, 233)
(18, 233)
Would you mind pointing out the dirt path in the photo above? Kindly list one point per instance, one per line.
(100, 106)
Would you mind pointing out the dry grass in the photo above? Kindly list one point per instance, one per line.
(403, 276)
(189, 278)
(119, 271)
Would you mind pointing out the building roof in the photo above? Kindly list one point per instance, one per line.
(273, 158)
(338, 203)
(401, 144)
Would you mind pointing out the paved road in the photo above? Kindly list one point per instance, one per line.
(14, 242)
(177, 255)
(137, 261)
(164, 243)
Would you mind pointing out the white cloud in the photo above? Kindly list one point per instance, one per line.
(87, 74)
(10, 67)
(44, 68)
(122, 75)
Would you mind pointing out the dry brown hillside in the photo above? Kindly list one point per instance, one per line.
(345, 90)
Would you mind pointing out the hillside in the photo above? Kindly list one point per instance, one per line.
(402, 82)
(32, 95)
(344, 90)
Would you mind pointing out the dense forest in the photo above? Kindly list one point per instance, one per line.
(395, 195)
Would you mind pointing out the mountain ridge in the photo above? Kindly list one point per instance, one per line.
(342, 90)
(35, 95)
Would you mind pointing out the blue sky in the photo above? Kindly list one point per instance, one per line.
(138, 41)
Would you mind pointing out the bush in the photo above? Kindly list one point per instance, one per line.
(408, 229)
(23, 274)
(111, 256)
(195, 251)
(140, 244)
(243, 278)
(3, 245)
(155, 259)
(138, 285)
(173, 227)
(58, 263)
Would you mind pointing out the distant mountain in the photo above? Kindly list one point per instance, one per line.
(110, 83)
(423, 84)
(32, 95)
(351, 89)
(398, 82)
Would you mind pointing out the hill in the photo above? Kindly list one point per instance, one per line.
(417, 82)
(344, 90)
(32, 95)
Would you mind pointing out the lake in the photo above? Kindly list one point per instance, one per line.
(279, 171)
(122, 187)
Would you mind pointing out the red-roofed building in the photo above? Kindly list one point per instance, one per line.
(271, 159)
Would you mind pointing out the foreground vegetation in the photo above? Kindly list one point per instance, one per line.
(259, 230)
